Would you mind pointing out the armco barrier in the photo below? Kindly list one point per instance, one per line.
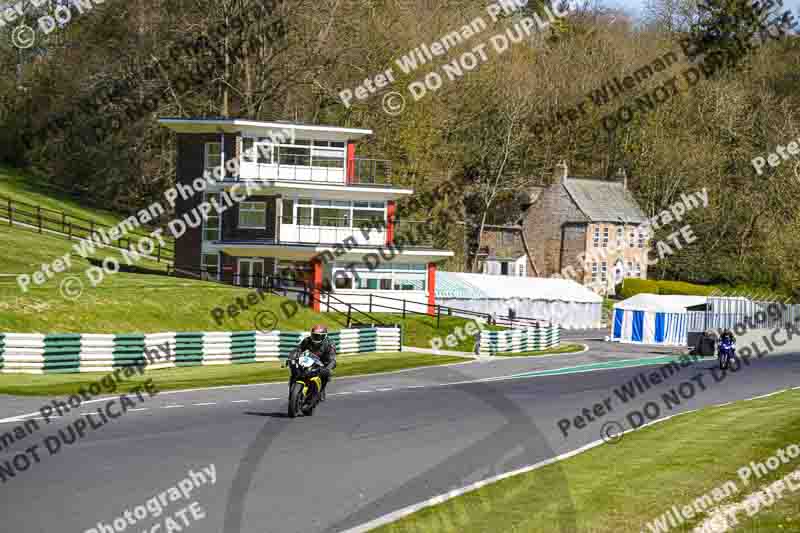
(519, 340)
(36, 353)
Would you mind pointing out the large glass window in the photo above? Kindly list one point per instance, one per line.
(253, 215)
(386, 277)
(333, 213)
(211, 223)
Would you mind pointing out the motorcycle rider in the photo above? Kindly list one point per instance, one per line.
(318, 344)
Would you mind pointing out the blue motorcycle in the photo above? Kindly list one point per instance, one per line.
(725, 352)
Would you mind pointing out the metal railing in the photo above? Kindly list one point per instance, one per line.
(43, 219)
(319, 169)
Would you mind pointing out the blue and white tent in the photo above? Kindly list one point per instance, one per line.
(653, 319)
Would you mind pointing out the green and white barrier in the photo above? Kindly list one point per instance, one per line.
(519, 340)
(37, 354)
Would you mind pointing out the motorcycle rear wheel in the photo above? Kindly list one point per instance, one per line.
(296, 399)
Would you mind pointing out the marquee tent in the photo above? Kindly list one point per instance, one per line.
(653, 319)
(560, 301)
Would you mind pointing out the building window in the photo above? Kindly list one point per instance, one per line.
(385, 277)
(213, 156)
(641, 239)
(253, 215)
(620, 237)
(603, 271)
(629, 269)
(638, 271)
(596, 237)
(631, 239)
(520, 269)
(210, 266)
(288, 212)
(605, 237)
(504, 268)
(333, 213)
(211, 222)
(594, 271)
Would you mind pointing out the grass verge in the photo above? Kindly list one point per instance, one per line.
(564, 348)
(213, 376)
(624, 487)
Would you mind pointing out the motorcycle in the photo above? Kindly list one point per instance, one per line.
(725, 352)
(305, 384)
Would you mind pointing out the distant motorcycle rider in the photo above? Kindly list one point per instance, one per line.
(318, 344)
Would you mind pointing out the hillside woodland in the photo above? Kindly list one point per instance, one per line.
(79, 107)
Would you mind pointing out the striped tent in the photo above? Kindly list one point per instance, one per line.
(653, 319)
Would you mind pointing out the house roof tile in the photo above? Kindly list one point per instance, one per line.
(604, 201)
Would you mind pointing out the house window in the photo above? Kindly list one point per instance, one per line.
(594, 271)
(596, 237)
(638, 271)
(603, 271)
(605, 237)
(213, 156)
(520, 269)
(210, 266)
(504, 268)
(620, 237)
(629, 269)
(325, 154)
(631, 239)
(641, 239)
(211, 222)
(253, 215)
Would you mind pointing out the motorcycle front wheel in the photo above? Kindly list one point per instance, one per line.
(296, 399)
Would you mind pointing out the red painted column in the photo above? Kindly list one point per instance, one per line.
(431, 288)
(316, 280)
(391, 207)
(351, 162)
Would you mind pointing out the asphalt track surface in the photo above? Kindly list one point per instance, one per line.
(378, 444)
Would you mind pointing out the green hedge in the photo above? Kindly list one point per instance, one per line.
(634, 286)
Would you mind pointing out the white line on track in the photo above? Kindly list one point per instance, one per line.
(382, 390)
(441, 498)
(171, 406)
(140, 409)
(239, 401)
(205, 403)
(269, 399)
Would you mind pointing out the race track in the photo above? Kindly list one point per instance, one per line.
(378, 444)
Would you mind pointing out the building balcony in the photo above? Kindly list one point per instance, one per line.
(324, 170)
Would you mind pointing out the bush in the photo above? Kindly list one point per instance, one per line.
(683, 288)
(634, 286)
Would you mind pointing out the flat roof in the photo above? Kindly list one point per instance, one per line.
(231, 125)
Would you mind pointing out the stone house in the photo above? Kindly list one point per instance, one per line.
(586, 229)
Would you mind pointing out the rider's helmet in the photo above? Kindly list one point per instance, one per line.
(318, 334)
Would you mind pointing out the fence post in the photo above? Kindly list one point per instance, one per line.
(63, 221)
(370, 302)
(438, 315)
(39, 216)
(404, 309)
(158, 254)
(69, 230)
(91, 227)
(349, 311)
(329, 302)
(10, 214)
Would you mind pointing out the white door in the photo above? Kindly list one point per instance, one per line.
(251, 272)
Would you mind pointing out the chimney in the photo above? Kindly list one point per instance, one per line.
(562, 172)
(622, 176)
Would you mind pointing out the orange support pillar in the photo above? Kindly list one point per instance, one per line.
(431, 288)
(391, 207)
(351, 162)
(316, 280)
